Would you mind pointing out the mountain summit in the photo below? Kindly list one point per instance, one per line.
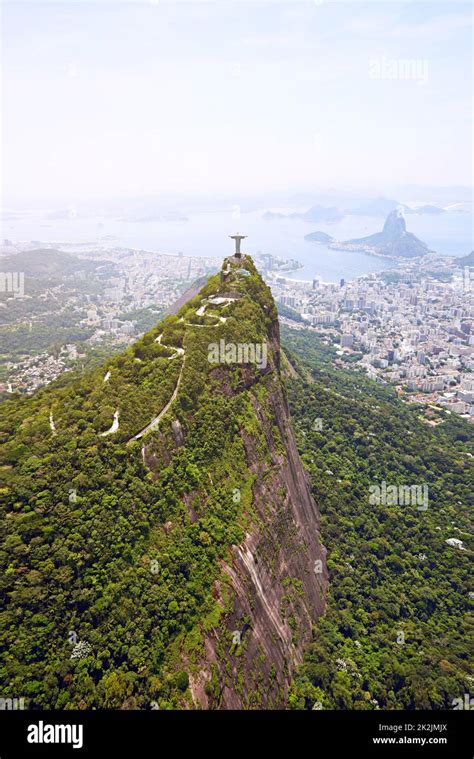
(162, 546)
(393, 240)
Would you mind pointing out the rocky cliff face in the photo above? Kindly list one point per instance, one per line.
(275, 578)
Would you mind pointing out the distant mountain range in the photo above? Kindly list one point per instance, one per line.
(316, 213)
(383, 206)
(355, 207)
(393, 241)
(428, 209)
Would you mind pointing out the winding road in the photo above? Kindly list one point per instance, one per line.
(177, 352)
(114, 427)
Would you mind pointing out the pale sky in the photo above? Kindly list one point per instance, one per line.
(115, 98)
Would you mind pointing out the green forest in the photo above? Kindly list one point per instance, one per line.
(108, 561)
(111, 546)
(398, 631)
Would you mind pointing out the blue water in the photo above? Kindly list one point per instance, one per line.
(206, 234)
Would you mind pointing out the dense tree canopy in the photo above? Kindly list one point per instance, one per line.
(398, 629)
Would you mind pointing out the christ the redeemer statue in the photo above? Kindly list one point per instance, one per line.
(237, 239)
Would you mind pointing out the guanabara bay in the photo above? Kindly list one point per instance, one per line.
(196, 524)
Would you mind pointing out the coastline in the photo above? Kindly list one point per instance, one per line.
(367, 251)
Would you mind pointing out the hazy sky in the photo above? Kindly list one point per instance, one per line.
(114, 98)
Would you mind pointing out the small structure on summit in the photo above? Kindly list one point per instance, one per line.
(230, 263)
(237, 239)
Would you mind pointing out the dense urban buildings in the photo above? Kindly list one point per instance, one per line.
(412, 326)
